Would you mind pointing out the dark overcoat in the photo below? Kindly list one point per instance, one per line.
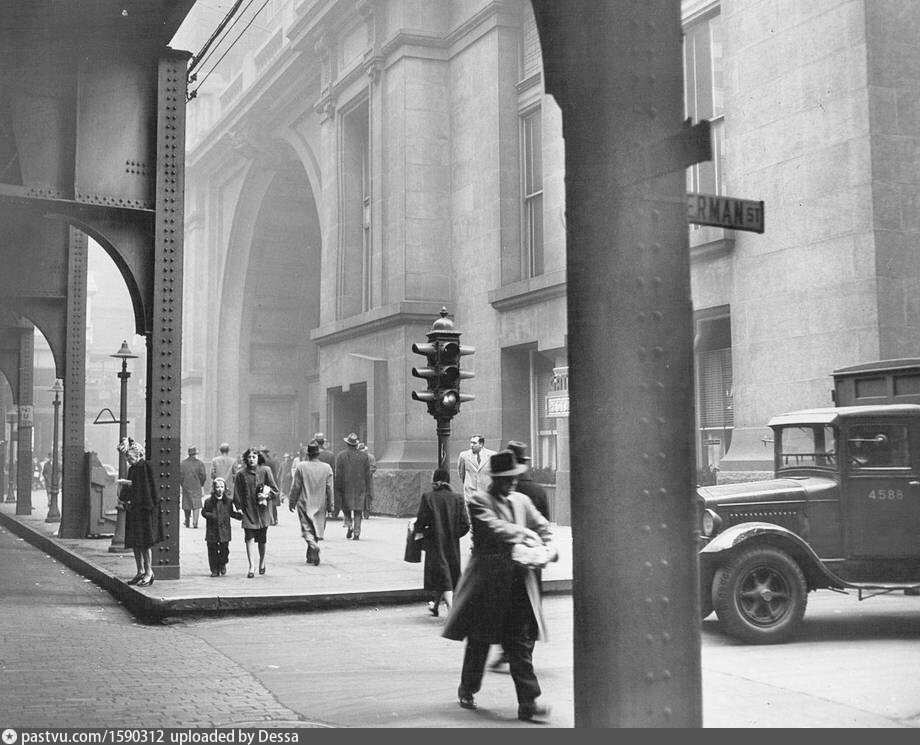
(443, 520)
(143, 520)
(354, 485)
(245, 497)
(217, 513)
(482, 600)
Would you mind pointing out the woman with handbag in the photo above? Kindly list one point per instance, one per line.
(497, 599)
(442, 521)
(254, 494)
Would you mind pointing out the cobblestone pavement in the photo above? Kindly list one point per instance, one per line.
(70, 656)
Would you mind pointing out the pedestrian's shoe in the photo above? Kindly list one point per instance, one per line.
(350, 533)
(223, 571)
(215, 574)
(532, 711)
(468, 702)
(357, 536)
(186, 523)
(499, 664)
(433, 608)
(316, 558)
(136, 578)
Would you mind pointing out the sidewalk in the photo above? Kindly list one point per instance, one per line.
(351, 573)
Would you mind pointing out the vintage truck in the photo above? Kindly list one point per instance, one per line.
(841, 513)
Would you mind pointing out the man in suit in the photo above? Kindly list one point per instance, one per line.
(473, 466)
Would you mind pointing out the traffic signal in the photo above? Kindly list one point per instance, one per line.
(431, 373)
(450, 375)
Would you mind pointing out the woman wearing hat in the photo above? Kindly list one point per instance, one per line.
(497, 600)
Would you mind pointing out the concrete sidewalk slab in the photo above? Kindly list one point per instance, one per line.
(351, 573)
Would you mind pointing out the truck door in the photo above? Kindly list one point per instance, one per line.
(881, 489)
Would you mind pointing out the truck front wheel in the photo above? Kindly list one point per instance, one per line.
(760, 596)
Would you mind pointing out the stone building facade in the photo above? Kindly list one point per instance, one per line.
(355, 165)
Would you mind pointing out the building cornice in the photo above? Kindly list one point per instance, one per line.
(529, 292)
(394, 315)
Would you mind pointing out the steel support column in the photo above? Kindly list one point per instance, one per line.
(75, 482)
(26, 409)
(637, 625)
(164, 343)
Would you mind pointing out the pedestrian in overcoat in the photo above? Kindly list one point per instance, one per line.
(442, 520)
(498, 600)
(354, 485)
(140, 500)
(255, 494)
(217, 510)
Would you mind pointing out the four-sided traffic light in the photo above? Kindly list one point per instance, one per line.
(442, 352)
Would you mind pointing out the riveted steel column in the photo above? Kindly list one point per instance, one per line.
(26, 409)
(636, 624)
(75, 482)
(164, 343)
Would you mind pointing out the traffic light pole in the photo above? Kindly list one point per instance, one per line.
(444, 442)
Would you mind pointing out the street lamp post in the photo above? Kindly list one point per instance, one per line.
(11, 418)
(54, 514)
(124, 354)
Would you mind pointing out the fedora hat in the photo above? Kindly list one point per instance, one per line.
(520, 450)
(504, 463)
(313, 448)
(193, 451)
(352, 439)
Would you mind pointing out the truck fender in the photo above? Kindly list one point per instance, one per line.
(728, 541)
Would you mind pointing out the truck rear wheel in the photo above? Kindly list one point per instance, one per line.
(760, 596)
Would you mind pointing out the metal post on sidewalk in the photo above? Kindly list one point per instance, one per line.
(54, 514)
(124, 354)
(11, 418)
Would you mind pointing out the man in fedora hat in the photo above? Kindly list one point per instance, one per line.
(497, 600)
(193, 477)
(354, 486)
(311, 491)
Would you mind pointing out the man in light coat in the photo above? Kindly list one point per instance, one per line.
(311, 491)
(193, 479)
(498, 600)
(222, 466)
(473, 466)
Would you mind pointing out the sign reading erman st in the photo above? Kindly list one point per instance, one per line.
(725, 212)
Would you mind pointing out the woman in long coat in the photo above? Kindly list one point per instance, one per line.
(255, 493)
(143, 521)
(498, 601)
(442, 520)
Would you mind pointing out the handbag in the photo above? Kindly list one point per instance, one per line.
(413, 552)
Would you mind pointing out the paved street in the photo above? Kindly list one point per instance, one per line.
(71, 655)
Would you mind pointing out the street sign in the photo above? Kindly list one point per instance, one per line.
(725, 212)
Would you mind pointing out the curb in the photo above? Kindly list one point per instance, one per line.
(155, 610)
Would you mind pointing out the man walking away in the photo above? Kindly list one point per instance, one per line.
(311, 491)
(353, 485)
(193, 479)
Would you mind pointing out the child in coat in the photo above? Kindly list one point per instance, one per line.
(217, 511)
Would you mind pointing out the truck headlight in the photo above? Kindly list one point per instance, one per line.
(709, 523)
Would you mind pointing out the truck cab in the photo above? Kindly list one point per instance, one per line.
(842, 512)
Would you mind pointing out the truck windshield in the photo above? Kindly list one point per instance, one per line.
(806, 445)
